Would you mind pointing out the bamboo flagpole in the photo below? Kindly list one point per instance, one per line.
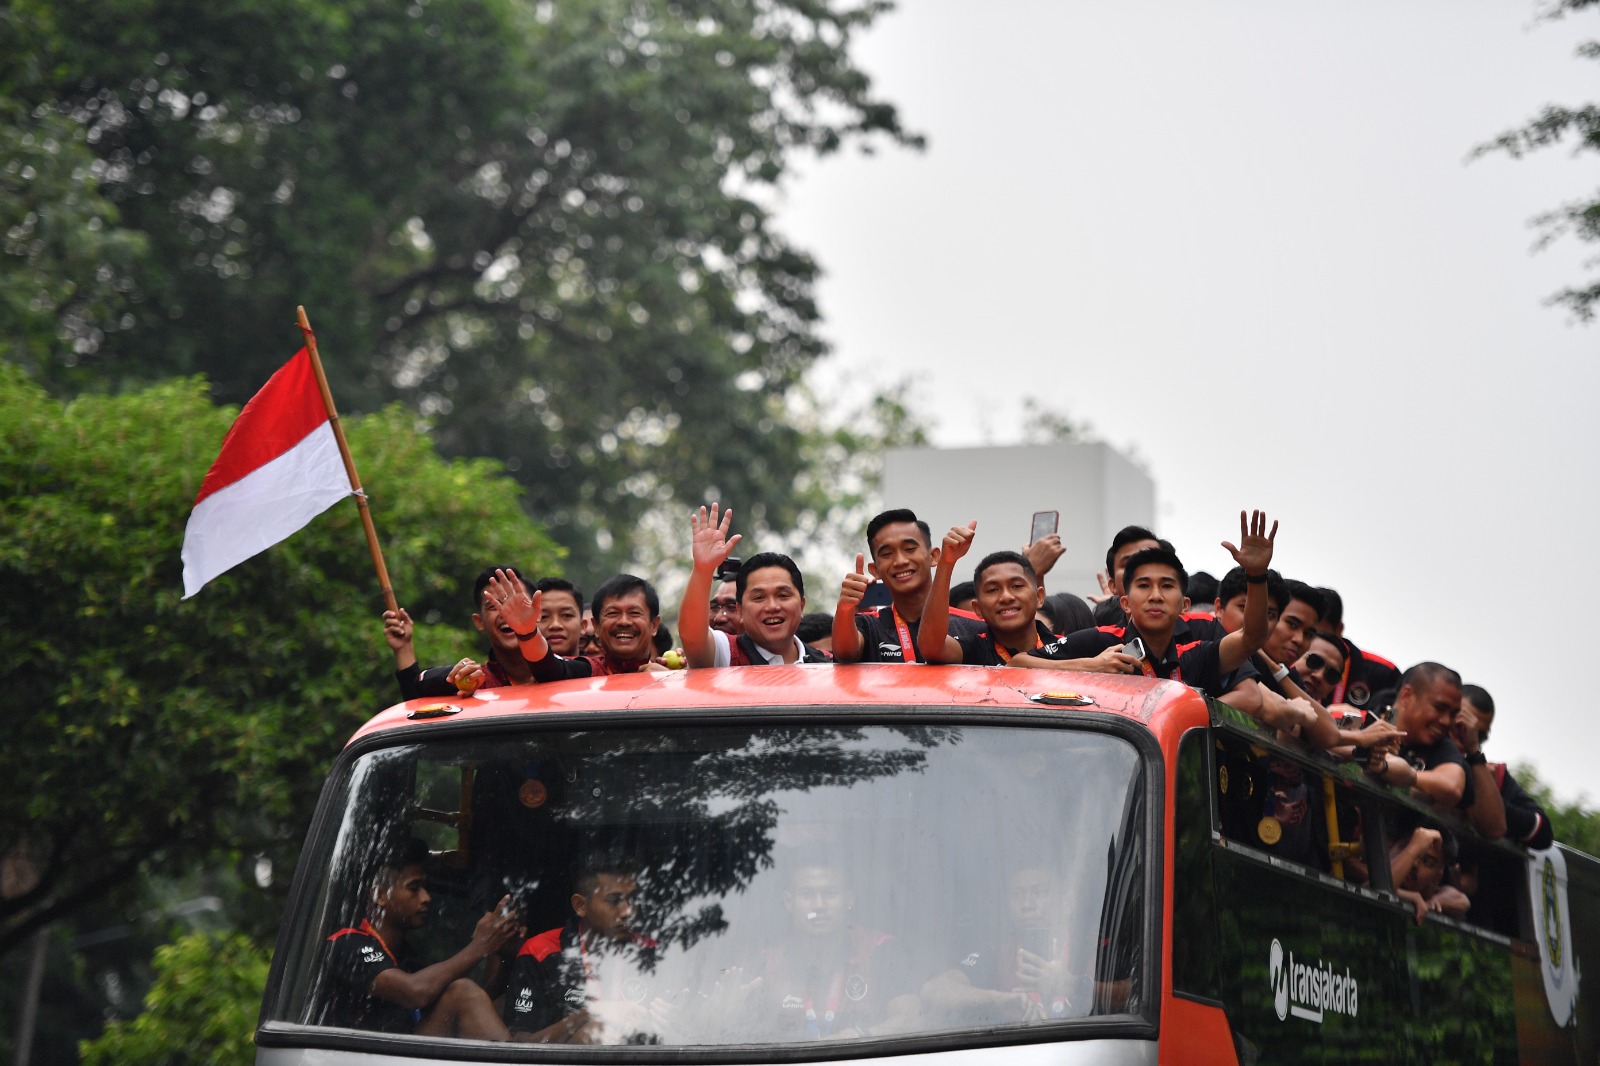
(349, 463)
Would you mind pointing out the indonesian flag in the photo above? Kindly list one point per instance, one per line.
(279, 468)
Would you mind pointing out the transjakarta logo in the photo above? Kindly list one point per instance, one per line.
(1308, 991)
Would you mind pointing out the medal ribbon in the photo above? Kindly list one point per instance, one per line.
(1005, 654)
(908, 651)
(817, 1030)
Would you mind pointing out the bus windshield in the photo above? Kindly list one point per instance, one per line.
(752, 885)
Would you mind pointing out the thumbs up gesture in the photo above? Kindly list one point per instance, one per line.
(855, 585)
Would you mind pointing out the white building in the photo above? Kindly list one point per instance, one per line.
(1096, 489)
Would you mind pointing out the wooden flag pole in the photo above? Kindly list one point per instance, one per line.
(349, 463)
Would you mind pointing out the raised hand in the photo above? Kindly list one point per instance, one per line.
(855, 585)
(397, 628)
(958, 542)
(1254, 552)
(711, 544)
(520, 610)
(1106, 592)
(497, 927)
(1043, 553)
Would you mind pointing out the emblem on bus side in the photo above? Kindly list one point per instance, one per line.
(1547, 885)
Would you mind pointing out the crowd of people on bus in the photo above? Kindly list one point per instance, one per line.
(1270, 647)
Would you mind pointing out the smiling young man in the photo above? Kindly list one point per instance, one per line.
(504, 665)
(1007, 598)
(771, 596)
(1154, 582)
(903, 558)
(560, 615)
(627, 613)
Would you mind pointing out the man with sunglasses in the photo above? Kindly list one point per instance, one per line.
(1321, 667)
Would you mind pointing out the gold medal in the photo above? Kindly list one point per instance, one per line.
(1222, 779)
(1270, 830)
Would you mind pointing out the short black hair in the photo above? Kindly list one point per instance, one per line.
(1333, 608)
(763, 560)
(1202, 587)
(481, 582)
(586, 877)
(662, 641)
(889, 518)
(1125, 536)
(614, 588)
(1233, 584)
(962, 592)
(818, 625)
(1429, 673)
(1479, 697)
(996, 558)
(1151, 556)
(1309, 595)
(1068, 612)
(560, 584)
(406, 851)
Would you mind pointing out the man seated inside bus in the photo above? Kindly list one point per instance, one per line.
(1023, 974)
(627, 613)
(830, 977)
(503, 665)
(370, 970)
(1008, 600)
(902, 557)
(772, 600)
(1417, 867)
(1154, 601)
(586, 982)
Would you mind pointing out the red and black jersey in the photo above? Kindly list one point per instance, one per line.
(888, 638)
(555, 667)
(1526, 821)
(1196, 663)
(1365, 675)
(560, 972)
(353, 958)
(981, 649)
(415, 682)
(815, 999)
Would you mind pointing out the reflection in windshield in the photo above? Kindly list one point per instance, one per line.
(737, 885)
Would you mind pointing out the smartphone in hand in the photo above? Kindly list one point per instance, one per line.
(1044, 524)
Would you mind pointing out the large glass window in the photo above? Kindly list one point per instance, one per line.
(709, 885)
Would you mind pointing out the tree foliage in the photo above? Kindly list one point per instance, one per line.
(1554, 125)
(202, 1008)
(1576, 822)
(541, 225)
(153, 730)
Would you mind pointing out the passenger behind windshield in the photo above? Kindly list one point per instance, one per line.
(1022, 975)
(369, 968)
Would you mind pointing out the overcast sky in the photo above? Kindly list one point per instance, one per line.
(1241, 241)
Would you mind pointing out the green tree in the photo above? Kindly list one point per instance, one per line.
(201, 1009)
(541, 225)
(1576, 822)
(1580, 218)
(156, 732)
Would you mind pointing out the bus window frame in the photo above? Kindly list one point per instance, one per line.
(1373, 798)
(291, 948)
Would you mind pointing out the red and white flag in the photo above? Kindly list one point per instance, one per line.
(279, 468)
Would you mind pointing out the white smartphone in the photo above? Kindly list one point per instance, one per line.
(1044, 524)
(1134, 649)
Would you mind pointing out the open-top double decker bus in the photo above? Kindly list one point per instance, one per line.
(1069, 868)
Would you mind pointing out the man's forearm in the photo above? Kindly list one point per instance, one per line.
(694, 619)
(846, 637)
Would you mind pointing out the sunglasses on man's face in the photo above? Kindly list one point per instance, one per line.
(1330, 673)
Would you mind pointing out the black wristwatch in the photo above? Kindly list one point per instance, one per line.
(1477, 758)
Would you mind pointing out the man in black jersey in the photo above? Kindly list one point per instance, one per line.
(903, 557)
(369, 970)
(1008, 599)
(1154, 601)
(1525, 821)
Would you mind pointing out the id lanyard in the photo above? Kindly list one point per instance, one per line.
(908, 651)
(1005, 656)
(817, 1030)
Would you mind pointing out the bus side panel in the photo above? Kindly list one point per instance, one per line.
(1283, 932)
(1538, 1039)
(1583, 898)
